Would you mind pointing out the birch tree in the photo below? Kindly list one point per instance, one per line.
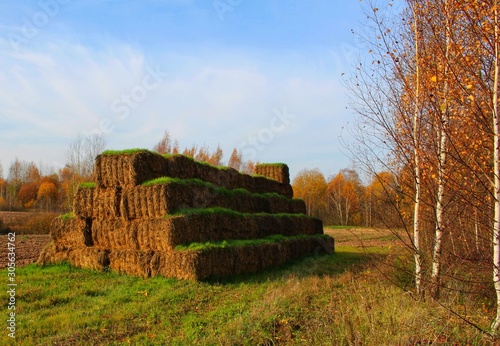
(496, 169)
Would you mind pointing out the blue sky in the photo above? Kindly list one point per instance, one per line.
(261, 76)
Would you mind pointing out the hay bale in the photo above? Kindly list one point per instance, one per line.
(131, 262)
(183, 167)
(182, 265)
(246, 259)
(145, 202)
(69, 233)
(298, 206)
(275, 171)
(271, 255)
(50, 255)
(107, 203)
(222, 263)
(266, 185)
(89, 258)
(154, 234)
(83, 202)
(116, 234)
(129, 169)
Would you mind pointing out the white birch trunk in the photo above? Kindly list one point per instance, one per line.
(416, 155)
(496, 165)
(442, 156)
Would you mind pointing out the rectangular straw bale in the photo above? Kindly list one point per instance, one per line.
(145, 202)
(182, 167)
(266, 185)
(279, 205)
(114, 234)
(183, 265)
(68, 233)
(50, 255)
(221, 261)
(246, 182)
(246, 259)
(312, 226)
(83, 202)
(286, 205)
(89, 258)
(298, 206)
(112, 171)
(127, 170)
(271, 255)
(236, 227)
(148, 165)
(226, 177)
(154, 234)
(107, 203)
(278, 172)
(296, 249)
(131, 262)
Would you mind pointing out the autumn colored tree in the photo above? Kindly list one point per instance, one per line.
(236, 159)
(344, 196)
(429, 103)
(3, 193)
(32, 173)
(310, 185)
(47, 194)
(27, 194)
(166, 145)
(216, 157)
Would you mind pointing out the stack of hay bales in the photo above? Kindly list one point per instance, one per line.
(148, 214)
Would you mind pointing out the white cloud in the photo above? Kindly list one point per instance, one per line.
(49, 95)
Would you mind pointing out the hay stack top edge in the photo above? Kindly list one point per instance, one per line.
(132, 167)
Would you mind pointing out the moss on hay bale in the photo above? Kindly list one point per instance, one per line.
(87, 185)
(131, 151)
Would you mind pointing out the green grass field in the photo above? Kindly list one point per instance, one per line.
(341, 299)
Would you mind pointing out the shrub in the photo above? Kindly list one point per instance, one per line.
(4, 229)
(39, 224)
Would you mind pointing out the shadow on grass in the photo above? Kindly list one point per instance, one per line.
(342, 260)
